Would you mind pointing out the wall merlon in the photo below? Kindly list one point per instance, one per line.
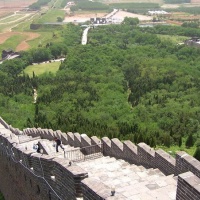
(85, 140)
(147, 148)
(35, 132)
(165, 156)
(164, 162)
(185, 162)
(116, 148)
(51, 134)
(146, 155)
(70, 137)
(130, 152)
(64, 138)
(188, 187)
(45, 134)
(28, 132)
(95, 140)
(106, 146)
(77, 140)
(25, 131)
(58, 134)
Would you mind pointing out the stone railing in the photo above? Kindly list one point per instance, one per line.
(50, 176)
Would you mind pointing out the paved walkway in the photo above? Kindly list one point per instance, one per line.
(84, 36)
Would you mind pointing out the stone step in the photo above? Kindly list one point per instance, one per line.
(112, 171)
(148, 189)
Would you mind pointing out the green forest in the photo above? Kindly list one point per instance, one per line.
(1, 196)
(127, 82)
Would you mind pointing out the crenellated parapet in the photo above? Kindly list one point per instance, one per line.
(185, 163)
(54, 176)
(165, 162)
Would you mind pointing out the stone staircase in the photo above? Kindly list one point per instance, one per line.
(130, 181)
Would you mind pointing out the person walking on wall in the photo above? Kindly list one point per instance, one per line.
(58, 143)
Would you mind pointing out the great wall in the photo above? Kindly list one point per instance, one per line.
(91, 168)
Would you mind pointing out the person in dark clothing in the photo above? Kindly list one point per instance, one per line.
(37, 148)
(58, 143)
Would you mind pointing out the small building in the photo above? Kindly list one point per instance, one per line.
(98, 20)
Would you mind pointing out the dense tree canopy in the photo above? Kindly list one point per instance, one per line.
(126, 83)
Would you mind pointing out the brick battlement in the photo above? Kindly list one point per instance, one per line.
(53, 176)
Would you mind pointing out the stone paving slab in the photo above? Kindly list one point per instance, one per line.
(131, 181)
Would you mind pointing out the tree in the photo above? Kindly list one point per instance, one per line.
(167, 141)
(153, 142)
(59, 19)
(1, 196)
(13, 67)
(190, 24)
(131, 21)
(197, 153)
(190, 141)
(180, 141)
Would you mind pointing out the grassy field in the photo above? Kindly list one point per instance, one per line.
(25, 25)
(42, 68)
(50, 16)
(44, 38)
(173, 38)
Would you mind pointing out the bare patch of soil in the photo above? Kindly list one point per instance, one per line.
(83, 17)
(5, 36)
(23, 45)
(123, 14)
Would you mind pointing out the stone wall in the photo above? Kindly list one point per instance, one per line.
(188, 187)
(37, 176)
(185, 162)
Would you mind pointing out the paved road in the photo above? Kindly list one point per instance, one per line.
(84, 36)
